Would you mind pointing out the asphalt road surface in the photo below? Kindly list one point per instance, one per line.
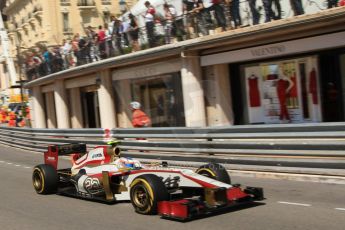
(289, 205)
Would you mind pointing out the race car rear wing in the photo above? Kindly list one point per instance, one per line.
(68, 149)
(54, 151)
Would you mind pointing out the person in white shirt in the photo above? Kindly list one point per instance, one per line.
(150, 23)
(66, 50)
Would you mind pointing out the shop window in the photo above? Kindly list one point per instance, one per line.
(161, 99)
(284, 91)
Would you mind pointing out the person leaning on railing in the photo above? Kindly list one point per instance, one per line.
(150, 24)
(134, 32)
(75, 50)
(169, 17)
(192, 9)
(117, 28)
(101, 42)
(218, 13)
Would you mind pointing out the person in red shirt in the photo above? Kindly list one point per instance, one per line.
(101, 41)
(139, 117)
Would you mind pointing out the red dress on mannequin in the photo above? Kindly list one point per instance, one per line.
(282, 86)
(254, 95)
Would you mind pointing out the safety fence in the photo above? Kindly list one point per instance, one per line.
(312, 140)
(291, 149)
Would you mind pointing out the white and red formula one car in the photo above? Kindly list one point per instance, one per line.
(101, 174)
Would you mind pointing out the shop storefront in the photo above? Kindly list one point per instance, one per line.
(290, 82)
(283, 91)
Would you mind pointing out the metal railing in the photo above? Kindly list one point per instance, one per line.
(288, 140)
(308, 149)
(183, 27)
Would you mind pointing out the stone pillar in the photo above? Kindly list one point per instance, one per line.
(193, 94)
(51, 111)
(218, 94)
(76, 109)
(39, 120)
(61, 105)
(106, 101)
(124, 114)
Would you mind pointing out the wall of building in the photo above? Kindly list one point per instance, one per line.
(210, 88)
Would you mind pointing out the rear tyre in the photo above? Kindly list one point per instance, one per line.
(214, 171)
(45, 179)
(146, 191)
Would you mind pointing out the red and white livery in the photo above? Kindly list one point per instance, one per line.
(102, 174)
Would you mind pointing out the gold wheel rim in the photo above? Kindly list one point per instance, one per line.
(38, 181)
(141, 197)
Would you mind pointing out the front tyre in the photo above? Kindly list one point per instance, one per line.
(146, 191)
(45, 179)
(214, 171)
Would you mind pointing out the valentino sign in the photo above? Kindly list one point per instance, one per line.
(277, 49)
(267, 51)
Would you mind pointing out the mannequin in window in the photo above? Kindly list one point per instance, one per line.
(293, 93)
(254, 95)
(313, 86)
(284, 85)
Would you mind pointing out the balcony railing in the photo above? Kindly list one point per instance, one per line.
(184, 27)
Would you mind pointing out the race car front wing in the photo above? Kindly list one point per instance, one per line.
(214, 199)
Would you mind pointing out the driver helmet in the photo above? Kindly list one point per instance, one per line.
(135, 105)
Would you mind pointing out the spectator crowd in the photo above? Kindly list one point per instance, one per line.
(120, 36)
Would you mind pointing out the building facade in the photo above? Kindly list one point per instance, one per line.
(286, 71)
(34, 25)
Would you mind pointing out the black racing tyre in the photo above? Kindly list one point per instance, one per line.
(45, 179)
(214, 171)
(146, 191)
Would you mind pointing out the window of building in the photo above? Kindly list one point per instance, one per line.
(65, 18)
(106, 17)
(161, 99)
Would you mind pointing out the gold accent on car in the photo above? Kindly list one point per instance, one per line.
(106, 185)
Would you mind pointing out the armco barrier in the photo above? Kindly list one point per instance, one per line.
(288, 140)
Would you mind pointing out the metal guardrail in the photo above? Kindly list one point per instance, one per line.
(292, 149)
(295, 140)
